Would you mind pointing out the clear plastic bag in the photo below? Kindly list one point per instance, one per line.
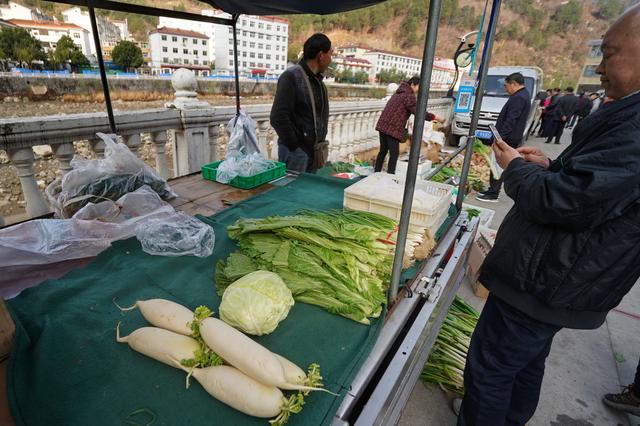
(176, 235)
(117, 174)
(244, 157)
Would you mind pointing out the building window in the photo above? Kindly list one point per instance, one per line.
(268, 66)
(278, 28)
(185, 51)
(590, 71)
(230, 41)
(195, 52)
(205, 62)
(244, 64)
(268, 57)
(174, 38)
(268, 47)
(76, 35)
(176, 60)
(244, 34)
(184, 39)
(186, 61)
(230, 51)
(230, 63)
(195, 62)
(277, 47)
(165, 60)
(260, 56)
(164, 49)
(175, 50)
(204, 53)
(244, 22)
(252, 24)
(260, 25)
(277, 57)
(204, 42)
(252, 45)
(244, 44)
(252, 64)
(269, 27)
(252, 35)
(259, 64)
(277, 38)
(260, 35)
(260, 46)
(244, 54)
(164, 38)
(195, 41)
(595, 51)
(252, 55)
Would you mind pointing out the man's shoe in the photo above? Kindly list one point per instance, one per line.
(557, 143)
(455, 406)
(488, 198)
(626, 401)
(547, 141)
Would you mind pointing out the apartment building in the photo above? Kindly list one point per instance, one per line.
(173, 48)
(14, 10)
(108, 32)
(49, 32)
(589, 81)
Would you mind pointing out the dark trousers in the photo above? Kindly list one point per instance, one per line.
(636, 381)
(494, 185)
(505, 366)
(558, 128)
(392, 146)
(573, 120)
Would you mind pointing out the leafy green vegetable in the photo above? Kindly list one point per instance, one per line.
(338, 260)
(256, 303)
(446, 362)
(471, 213)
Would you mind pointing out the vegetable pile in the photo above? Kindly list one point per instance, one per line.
(338, 260)
(251, 378)
(445, 365)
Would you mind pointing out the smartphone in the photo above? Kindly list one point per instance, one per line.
(495, 132)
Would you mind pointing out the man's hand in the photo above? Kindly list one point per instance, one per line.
(504, 153)
(534, 155)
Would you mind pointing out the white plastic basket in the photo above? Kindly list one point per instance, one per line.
(382, 193)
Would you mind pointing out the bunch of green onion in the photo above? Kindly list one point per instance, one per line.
(445, 365)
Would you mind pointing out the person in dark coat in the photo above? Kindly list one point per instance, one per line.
(583, 100)
(392, 124)
(511, 124)
(561, 112)
(547, 125)
(569, 249)
(300, 111)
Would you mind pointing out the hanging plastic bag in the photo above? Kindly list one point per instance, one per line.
(496, 170)
(176, 235)
(117, 174)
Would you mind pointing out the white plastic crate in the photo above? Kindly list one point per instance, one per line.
(423, 168)
(382, 193)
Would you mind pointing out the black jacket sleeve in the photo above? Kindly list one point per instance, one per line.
(588, 189)
(516, 107)
(283, 110)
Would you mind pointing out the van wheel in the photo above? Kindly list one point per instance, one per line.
(453, 140)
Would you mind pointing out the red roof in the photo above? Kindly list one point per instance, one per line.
(45, 24)
(176, 31)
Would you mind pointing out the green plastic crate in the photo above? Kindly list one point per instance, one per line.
(246, 182)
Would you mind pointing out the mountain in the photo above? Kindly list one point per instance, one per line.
(550, 34)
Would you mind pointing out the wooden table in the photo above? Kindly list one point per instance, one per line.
(195, 196)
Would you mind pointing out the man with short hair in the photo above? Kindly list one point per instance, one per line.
(511, 125)
(300, 111)
(569, 249)
(561, 112)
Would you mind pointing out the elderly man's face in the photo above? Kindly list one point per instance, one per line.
(620, 68)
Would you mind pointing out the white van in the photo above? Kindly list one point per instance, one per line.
(494, 99)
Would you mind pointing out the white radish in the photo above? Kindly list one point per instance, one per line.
(251, 358)
(160, 344)
(164, 314)
(292, 373)
(237, 390)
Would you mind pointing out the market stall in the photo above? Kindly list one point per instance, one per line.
(67, 368)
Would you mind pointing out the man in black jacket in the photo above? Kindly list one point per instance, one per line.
(561, 112)
(300, 111)
(569, 249)
(510, 124)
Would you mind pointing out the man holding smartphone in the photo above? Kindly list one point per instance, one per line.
(511, 123)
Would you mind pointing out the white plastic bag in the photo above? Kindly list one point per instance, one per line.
(176, 235)
(242, 135)
(119, 173)
(496, 170)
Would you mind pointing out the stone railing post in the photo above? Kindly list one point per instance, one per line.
(22, 159)
(192, 146)
(133, 143)
(64, 153)
(214, 142)
(344, 135)
(263, 132)
(159, 140)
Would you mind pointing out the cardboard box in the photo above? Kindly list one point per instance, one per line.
(479, 290)
(478, 252)
(7, 328)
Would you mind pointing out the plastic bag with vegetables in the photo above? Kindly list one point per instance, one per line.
(256, 303)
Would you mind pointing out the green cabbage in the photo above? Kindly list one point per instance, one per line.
(256, 303)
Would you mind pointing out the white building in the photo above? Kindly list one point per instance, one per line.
(123, 27)
(262, 42)
(108, 32)
(387, 61)
(352, 64)
(17, 11)
(353, 50)
(173, 48)
(49, 32)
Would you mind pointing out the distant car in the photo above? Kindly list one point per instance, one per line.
(494, 99)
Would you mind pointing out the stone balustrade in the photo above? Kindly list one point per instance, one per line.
(195, 128)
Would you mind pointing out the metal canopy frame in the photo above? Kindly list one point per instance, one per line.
(418, 127)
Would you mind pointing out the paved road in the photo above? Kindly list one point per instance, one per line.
(582, 366)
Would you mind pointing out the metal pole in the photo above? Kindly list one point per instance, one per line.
(235, 62)
(484, 67)
(103, 74)
(416, 141)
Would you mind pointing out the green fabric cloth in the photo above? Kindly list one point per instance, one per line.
(67, 369)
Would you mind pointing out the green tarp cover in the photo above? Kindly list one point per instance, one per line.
(67, 369)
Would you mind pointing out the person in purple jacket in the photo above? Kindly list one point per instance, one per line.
(392, 124)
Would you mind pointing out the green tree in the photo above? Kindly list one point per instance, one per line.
(18, 45)
(610, 9)
(361, 77)
(127, 55)
(68, 52)
(566, 16)
(391, 76)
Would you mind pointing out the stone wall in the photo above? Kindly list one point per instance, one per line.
(37, 87)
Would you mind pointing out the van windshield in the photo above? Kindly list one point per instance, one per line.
(494, 86)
